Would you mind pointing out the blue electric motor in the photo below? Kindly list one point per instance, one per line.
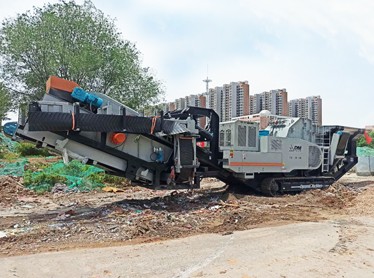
(10, 128)
(84, 97)
(160, 155)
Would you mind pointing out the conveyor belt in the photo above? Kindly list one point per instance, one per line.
(57, 121)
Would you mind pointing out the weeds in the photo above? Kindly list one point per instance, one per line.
(29, 149)
(116, 180)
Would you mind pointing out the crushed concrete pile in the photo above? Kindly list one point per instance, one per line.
(336, 196)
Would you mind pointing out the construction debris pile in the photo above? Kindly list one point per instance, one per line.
(12, 190)
(55, 221)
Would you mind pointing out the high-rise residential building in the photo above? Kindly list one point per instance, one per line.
(198, 101)
(314, 104)
(214, 100)
(274, 101)
(255, 104)
(171, 106)
(192, 100)
(202, 102)
(242, 99)
(309, 107)
(302, 110)
(292, 107)
(281, 106)
(225, 103)
(228, 101)
(234, 100)
(180, 103)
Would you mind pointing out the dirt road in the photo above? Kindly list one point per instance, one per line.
(339, 248)
(333, 232)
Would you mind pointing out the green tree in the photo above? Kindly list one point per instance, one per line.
(5, 102)
(76, 42)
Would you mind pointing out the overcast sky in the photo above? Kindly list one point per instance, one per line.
(319, 47)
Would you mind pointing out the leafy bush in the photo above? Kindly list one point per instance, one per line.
(361, 142)
(7, 155)
(28, 149)
(2, 152)
(10, 156)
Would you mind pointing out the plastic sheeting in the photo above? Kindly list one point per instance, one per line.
(75, 175)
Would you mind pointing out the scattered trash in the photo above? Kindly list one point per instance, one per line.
(59, 188)
(112, 189)
(27, 206)
(228, 204)
(215, 207)
(3, 234)
(147, 215)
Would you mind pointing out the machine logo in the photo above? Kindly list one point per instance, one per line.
(296, 148)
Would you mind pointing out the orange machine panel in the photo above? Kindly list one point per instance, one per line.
(58, 83)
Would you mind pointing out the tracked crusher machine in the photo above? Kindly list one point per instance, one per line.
(291, 154)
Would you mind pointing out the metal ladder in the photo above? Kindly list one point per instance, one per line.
(323, 141)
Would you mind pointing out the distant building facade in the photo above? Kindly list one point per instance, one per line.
(180, 103)
(215, 100)
(274, 101)
(171, 106)
(309, 107)
(234, 100)
(198, 101)
(230, 100)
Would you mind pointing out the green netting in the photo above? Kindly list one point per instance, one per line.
(364, 151)
(76, 176)
(7, 143)
(15, 169)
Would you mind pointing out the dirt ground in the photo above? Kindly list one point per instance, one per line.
(31, 223)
